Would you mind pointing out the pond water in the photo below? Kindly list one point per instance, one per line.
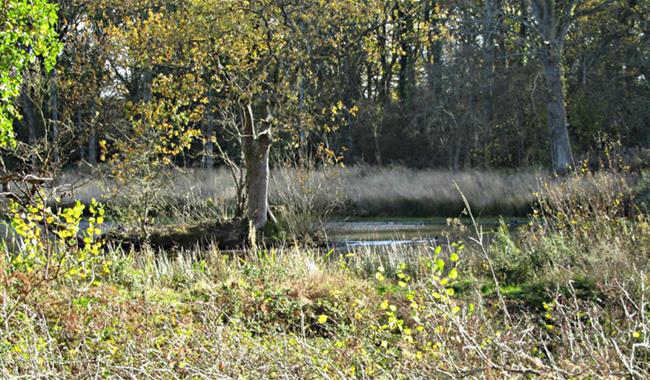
(380, 233)
(356, 233)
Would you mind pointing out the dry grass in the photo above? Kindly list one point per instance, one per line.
(205, 315)
(361, 190)
(563, 297)
(399, 191)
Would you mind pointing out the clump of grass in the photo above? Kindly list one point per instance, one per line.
(305, 199)
(585, 226)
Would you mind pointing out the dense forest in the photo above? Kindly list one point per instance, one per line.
(324, 189)
(438, 84)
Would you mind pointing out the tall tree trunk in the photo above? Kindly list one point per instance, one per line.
(146, 85)
(376, 124)
(490, 26)
(302, 135)
(54, 116)
(352, 91)
(553, 20)
(256, 148)
(369, 80)
(208, 145)
(403, 25)
(79, 127)
(386, 65)
(92, 138)
(556, 111)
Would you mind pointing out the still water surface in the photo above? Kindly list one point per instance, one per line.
(355, 233)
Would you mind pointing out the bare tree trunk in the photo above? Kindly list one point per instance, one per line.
(256, 148)
(490, 26)
(146, 90)
(207, 128)
(207, 159)
(553, 20)
(351, 83)
(386, 65)
(556, 113)
(433, 56)
(54, 114)
(208, 145)
(375, 135)
(79, 127)
(406, 74)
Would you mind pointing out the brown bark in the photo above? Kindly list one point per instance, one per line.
(256, 146)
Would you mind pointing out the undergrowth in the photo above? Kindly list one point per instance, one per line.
(561, 297)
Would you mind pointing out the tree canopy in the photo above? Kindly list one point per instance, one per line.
(426, 83)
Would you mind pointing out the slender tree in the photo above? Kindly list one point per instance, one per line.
(552, 20)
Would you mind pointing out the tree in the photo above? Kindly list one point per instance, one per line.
(224, 66)
(552, 21)
(28, 32)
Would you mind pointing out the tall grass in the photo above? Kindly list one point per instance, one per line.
(398, 191)
(359, 190)
(564, 296)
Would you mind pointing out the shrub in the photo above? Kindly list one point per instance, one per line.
(56, 247)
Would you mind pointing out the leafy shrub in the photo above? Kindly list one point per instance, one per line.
(55, 247)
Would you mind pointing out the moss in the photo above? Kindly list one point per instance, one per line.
(225, 235)
(532, 295)
(273, 232)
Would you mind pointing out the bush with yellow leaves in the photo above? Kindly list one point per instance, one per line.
(54, 246)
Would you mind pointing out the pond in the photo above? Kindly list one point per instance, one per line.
(372, 232)
(349, 234)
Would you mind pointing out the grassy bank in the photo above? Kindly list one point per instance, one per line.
(296, 314)
(562, 297)
(304, 199)
(358, 191)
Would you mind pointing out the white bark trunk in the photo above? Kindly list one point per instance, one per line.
(556, 113)
(553, 24)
